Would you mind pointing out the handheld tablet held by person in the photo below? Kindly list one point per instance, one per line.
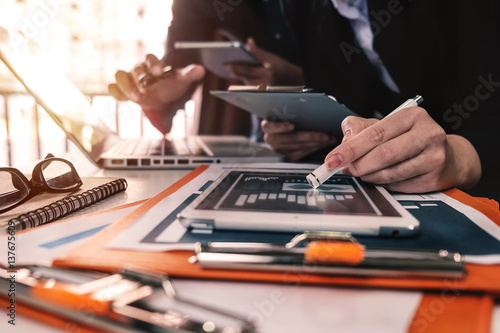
(308, 111)
(215, 55)
(273, 200)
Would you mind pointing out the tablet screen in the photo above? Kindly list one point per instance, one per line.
(289, 192)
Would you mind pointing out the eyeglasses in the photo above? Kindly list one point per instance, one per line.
(50, 175)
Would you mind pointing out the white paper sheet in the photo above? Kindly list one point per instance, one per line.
(301, 308)
(495, 325)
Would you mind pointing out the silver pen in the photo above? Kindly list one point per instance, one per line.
(147, 80)
(322, 173)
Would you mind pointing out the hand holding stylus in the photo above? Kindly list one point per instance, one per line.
(406, 152)
(324, 172)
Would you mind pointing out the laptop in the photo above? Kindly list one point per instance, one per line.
(74, 114)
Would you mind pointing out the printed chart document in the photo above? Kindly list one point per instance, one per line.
(43, 244)
(160, 230)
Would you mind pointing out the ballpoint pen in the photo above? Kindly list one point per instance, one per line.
(146, 79)
(322, 173)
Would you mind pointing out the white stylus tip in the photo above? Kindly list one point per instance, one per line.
(320, 175)
(313, 180)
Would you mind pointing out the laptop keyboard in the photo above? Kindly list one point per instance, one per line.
(161, 147)
(152, 147)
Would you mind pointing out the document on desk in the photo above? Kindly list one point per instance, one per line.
(43, 244)
(445, 224)
(294, 308)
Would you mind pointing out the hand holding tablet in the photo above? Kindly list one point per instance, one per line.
(308, 111)
(215, 55)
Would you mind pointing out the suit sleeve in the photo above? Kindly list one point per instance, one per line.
(192, 20)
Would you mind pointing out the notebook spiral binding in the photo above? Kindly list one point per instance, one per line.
(67, 205)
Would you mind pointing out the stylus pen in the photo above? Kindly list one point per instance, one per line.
(322, 173)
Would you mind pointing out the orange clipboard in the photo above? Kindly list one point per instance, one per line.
(463, 305)
(93, 254)
(61, 324)
(453, 313)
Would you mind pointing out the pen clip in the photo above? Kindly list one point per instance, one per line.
(147, 80)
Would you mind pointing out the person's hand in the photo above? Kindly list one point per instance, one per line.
(405, 152)
(275, 70)
(161, 93)
(294, 145)
(158, 100)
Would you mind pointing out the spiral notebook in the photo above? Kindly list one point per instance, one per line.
(48, 207)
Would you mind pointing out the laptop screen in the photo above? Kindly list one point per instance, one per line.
(53, 90)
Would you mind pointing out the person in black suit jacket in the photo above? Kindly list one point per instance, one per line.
(445, 51)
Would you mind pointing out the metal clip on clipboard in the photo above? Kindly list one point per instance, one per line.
(129, 301)
(331, 253)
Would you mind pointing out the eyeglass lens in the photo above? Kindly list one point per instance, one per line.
(12, 189)
(58, 175)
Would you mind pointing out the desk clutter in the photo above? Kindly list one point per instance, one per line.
(456, 250)
(129, 300)
(55, 190)
(49, 207)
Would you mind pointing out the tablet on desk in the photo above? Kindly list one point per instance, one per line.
(306, 110)
(272, 200)
(215, 55)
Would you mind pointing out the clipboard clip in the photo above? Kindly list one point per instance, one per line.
(132, 298)
(185, 314)
(329, 247)
(330, 253)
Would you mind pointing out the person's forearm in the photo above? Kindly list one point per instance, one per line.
(161, 116)
(160, 119)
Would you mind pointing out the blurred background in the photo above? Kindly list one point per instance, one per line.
(90, 40)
